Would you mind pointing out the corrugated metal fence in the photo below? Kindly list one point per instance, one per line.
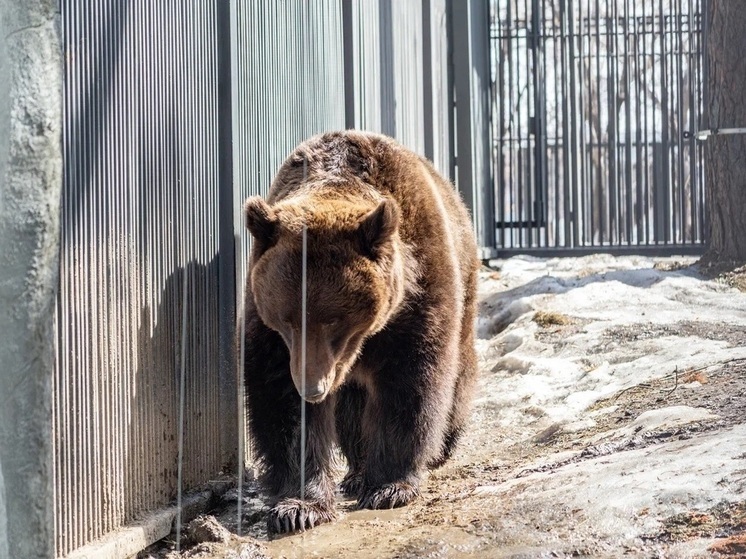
(155, 93)
(139, 230)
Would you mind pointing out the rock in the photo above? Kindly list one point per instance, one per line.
(735, 546)
(205, 528)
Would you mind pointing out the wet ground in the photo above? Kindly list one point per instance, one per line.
(657, 468)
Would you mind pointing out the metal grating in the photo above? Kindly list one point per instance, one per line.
(140, 218)
(399, 76)
(288, 84)
(591, 99)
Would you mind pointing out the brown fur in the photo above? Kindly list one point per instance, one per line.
(390, 361)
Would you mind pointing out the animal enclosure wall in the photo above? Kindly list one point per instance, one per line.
(175, 112)
(137, 314)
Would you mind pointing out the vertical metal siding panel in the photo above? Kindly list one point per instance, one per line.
(84, 303)
(441, 94)
(388, 66)
(61, 413)
(408, 45)
(104, 286)
(140, 186)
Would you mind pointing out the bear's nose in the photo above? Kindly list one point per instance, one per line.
(314, 392)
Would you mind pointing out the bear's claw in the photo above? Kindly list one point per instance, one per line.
(293, 515)
(388, 496)
(352, 484)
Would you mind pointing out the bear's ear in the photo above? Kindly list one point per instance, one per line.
(377, 228)
(261, 222)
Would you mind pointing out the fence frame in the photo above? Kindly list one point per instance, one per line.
(528, 233)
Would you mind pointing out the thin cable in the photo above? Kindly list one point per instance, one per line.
(303, 289)
(240, 403)
(182, 383)
(303, 366)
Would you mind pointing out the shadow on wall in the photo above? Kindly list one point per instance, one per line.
(150, 472)
(117, 445)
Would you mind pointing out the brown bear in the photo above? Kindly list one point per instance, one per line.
(388, 353)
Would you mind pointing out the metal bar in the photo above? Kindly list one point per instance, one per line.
(629, 123)
(387, 85)
(471, 74)
(667, 209)
(226, 239)
(427, 79)
(679, 116)
(537, 194)
(349, 65)
(597, 189)
(647, 153)
(615, 250)
(575, 213)
(450, 94)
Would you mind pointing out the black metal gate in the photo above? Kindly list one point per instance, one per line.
(590, 103)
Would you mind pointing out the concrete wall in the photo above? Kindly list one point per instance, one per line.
(30, 182)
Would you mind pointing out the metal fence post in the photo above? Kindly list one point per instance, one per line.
(427, 78)
(386, 56)
(227, 264)
(437, 85)
(471, 55)
(349, 63)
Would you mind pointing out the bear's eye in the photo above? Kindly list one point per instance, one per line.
(337, 342)
(331, 322)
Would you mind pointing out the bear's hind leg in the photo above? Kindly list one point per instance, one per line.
(349, 416)
(405, 420)
(461, 407)
(468, 369)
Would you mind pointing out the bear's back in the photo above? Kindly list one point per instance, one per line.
(354, 163)
(367, 166)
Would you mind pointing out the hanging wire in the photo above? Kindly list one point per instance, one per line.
(303, 288)
(303, 367)
(240, 403)
(182, 383)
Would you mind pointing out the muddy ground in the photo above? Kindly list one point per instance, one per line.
(654, 468)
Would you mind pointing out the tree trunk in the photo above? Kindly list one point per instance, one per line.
(725, 155)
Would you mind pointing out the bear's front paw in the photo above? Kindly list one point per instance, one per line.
(352, 484)
(388, 496)
(293, 515)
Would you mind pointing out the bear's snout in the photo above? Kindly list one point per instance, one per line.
(320, 366)
(315, 392)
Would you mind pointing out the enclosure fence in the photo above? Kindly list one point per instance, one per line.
(175, 112)
(140, 226)
(561, 123)
(591, 102)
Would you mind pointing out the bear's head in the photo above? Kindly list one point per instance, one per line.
(354, 281)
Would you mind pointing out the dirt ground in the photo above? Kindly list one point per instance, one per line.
(510, 493)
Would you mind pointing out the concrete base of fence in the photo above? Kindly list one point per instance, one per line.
(127, 542)
(30, 186)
